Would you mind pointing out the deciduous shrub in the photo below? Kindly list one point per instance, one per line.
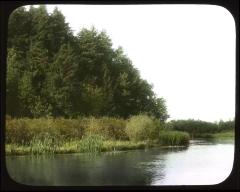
(141, 127)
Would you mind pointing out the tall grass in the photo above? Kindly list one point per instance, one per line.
(123, 145)
(173, 138)
(91, 144)
(109, 128)
(23, 131)
(48, 145)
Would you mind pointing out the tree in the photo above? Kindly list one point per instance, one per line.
(19, 27)
(58, 33)
(62, 85)
(33, 92)
(52, 72)
(13, 76)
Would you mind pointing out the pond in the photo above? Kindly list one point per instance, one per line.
(201, 163)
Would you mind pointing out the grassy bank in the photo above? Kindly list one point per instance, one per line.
(91, 144)
(94, 144)
(174, 138)
(73, 147)
(49, 136)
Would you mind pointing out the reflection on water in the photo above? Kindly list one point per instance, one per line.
(200, 163)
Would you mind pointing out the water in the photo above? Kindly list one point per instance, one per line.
(201, 163)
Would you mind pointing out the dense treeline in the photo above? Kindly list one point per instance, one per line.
(51, 72)
(198, 127)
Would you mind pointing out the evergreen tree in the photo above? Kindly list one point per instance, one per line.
(33, 91)
(51, 72)
(62, 85)
(13, 76)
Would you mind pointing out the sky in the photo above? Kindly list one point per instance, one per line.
(187, 52)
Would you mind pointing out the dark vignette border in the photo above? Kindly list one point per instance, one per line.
(6, 7)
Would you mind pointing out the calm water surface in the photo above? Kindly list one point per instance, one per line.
(201, 163)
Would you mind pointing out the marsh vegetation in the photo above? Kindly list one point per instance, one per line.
(50, 135)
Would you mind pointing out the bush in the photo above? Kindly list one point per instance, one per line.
(173, 138)
(110, 128)
(142, 127)
(69, 129)
(168, 126)
(17, 131)
(23, 131)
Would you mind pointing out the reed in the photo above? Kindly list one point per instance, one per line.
(91, 144)
(173, 138)
(87, 134)
(23, 131)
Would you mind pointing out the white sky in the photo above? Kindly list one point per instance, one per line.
(186, 51)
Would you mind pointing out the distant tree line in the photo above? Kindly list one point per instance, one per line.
(198, 127)
(51, 72)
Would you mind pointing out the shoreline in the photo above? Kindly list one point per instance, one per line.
(108, 146)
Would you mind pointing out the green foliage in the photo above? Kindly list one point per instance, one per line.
(13, 149)
(194, 127)
(197, 128)
(77, 146)
(90, 134)
(109, 128)
(122, 145)
(17, 131)
(69, 129)
(91, 144)
(226, 125)
(173, 138)
(224, 135)
(61, 83)
(22, 131)
(58, 81)
(51, 72)
(13, 76)
(141, 128)
(44, 143)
